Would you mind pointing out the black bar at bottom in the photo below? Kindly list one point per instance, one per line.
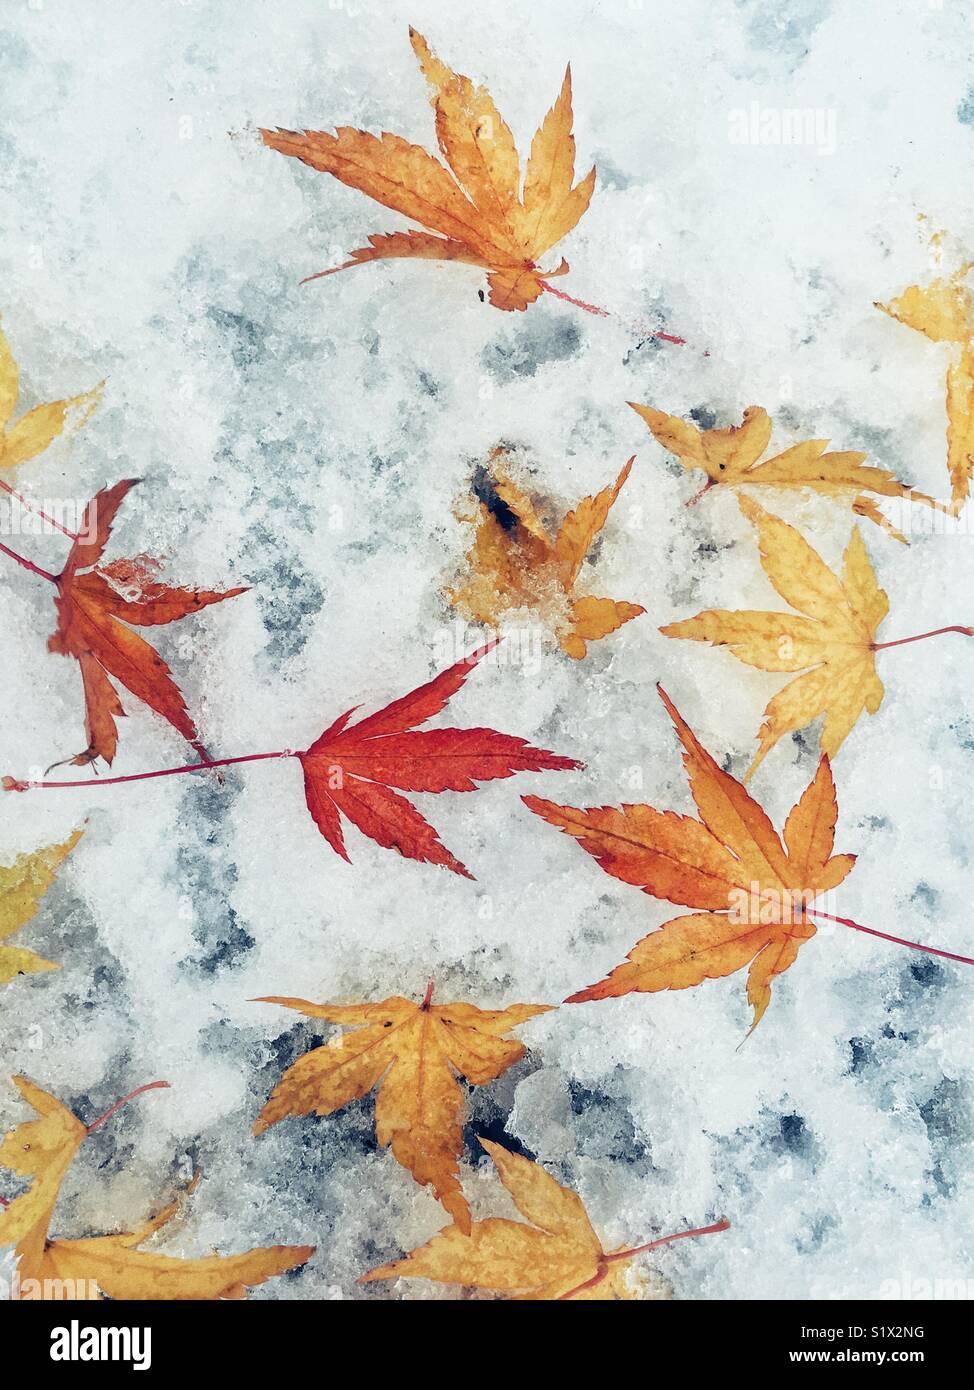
(285, 1338)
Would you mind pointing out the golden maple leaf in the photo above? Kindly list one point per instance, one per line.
(831, 638)
(730, 457)
(43, 1150)
(477, 213)
(944, 312)
(22, 885)
(36, 429)
(513, 563)
(557, 1256)
(754, 892)
(413, 1052)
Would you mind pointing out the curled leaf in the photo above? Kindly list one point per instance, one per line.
(730, 458)
(514, 564)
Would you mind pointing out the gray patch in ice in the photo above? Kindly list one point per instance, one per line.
(207, 874)
(784, 31)
(604, 1125)
(947, 1118)
(536, 343)
(245, 338)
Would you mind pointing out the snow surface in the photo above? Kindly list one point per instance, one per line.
(312, 442)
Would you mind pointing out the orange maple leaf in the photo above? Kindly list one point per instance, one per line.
(754, 892)
(514, 564)
(92, 612)
(477, 213)
(413, 1052)
(351, 770)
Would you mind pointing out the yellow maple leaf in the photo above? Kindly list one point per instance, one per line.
(944, 312)
(514, 564)
(556, 1255)
(831, 638)
(730, 457)
(413, 1052)
(475, 210)
(43, 1150)
(29, 436)
(22, 885)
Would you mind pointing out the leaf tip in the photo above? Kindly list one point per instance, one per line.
(667, 702)
(582, 996)
(473, 657)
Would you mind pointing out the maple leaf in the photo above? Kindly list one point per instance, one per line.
(22, 885)
(944, 312)
(413, 1052)
(351, 770)
(556, 1255)
(29, 436)
(43, 1150)
(475, 211)
(833, 633)
(513, 563)
(730, 457)
(754, 892)
(93, 608)
(831, 639)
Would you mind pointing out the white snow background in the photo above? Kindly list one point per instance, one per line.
(312, 441)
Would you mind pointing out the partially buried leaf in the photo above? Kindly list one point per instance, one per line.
(474, 210)
(413, 1052)
(112, 1266)
(22, 885)
(729, 457)
(752, 893)
(93, 608)
(514, 564)
(944, 312)
(30, 435)
(554, 1253)
(832, 641)
(351, 770)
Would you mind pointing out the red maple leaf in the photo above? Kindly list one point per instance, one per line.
(92, 613)
(351, 771)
